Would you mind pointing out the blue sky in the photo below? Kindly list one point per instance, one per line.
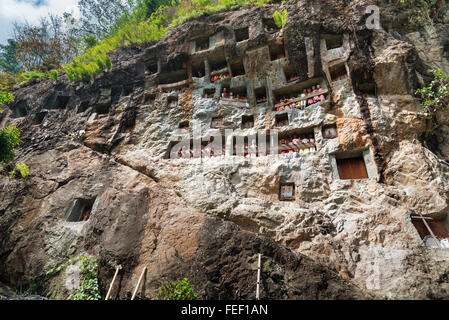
(29, 10)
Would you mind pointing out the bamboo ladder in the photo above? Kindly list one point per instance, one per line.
(258, 278)
(112, 282)
(138, 283)
(118, 268)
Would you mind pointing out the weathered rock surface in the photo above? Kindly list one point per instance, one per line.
(207, 219)
(226, 260)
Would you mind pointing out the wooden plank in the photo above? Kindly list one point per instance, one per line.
(360, 170)
(420, 227)
(234, 103)
(234, 100)
(344, 169)
(112, 282)
(416, 217)
(138, 283)
(174, 84)
(439, 228)
(258, 278)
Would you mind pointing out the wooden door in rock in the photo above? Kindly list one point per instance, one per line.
(352, 168)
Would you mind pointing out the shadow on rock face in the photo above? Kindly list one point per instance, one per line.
(225, 267)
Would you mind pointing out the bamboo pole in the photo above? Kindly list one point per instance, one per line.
(112, 282)
(138, 283)
(430, 230)
(258, 278)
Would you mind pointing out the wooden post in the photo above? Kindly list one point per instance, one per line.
(138, 283)
(258, 278)
(423, 219)
(112, 282)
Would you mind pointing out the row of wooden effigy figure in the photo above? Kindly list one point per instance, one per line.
(306, 98)
(301, 143)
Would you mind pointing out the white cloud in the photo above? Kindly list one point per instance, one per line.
(21, 10)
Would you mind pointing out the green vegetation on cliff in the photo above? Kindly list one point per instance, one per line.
(280, 18)
(5, 98)
(179, 290)
(9, 136)
(88, 288)
(436, 95)
(9, 139)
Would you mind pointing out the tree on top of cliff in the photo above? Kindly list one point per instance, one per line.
(99, 17)
(44, 46)
(102, 18)
(8, 60)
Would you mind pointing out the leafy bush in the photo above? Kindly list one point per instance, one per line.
(201, 3)
(53, 75)
(33, 285)
(436, 95)
(179, 290)
(9, 139)
(33, 75)
(5, 98)
(45, 45)
(23, 169)
(55, 270)
(88, 289)
(280, 19)
(89, 41)
(8, 81)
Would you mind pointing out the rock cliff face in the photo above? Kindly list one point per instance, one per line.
(113, 145)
